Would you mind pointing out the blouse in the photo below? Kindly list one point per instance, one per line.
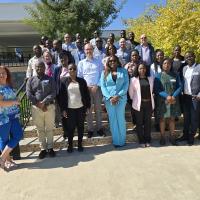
(10, 111)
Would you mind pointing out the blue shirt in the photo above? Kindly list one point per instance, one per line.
(124, 55)
(90, 70)
(11, 111)
(68, 47)
(78, 55)
(99, 54)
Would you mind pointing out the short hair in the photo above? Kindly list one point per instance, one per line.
(37, 46)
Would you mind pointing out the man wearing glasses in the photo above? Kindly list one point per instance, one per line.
(146, 51)
(90, 69)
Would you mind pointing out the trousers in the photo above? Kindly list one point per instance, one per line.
(10, 133)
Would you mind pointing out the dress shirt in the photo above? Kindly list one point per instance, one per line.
(78, 55)
(41, 89)
(90, 70)
(31, 71)
(187, 79)
(99, 53)
(146, 55)
(68, 47)
(124, 55)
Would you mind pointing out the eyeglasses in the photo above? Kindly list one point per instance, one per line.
(72, 69)
(143, 37)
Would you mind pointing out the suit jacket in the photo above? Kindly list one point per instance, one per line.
(139, 48)
(135, 92)
(63, 94)
(195, 82)
(110, 88)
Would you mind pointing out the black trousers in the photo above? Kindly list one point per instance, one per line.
(132, 110)
(75, 119)
(191, 116)
(143, 122)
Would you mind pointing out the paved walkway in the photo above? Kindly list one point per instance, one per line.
(104, 173)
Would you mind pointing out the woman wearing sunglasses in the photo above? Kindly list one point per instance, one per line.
(74, 100)
(9, 120)
(114, 86)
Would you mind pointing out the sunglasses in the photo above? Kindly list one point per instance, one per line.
(112, 61)
(72, 69)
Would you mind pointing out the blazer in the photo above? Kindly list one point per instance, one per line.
(139, 48)
(195, 80)
(135, 92)
(110, 88)
(63, 94)
(159, 89)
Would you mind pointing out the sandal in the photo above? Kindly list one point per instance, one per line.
(11, 164)
(2, 165)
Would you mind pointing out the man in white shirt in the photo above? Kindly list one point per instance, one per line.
(90, 69)
(191, 97)
(31, 70)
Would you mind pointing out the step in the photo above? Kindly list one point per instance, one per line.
(31, 131)
(104, 117)
(31, 144)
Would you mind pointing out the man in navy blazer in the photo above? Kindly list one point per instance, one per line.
(191, 97)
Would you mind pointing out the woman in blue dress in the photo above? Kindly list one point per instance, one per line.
(9, 119)
(114, 86)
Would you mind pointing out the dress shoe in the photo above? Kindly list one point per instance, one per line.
(70, 149)
(90, 134)
(147, 145)
(173, 141)
(182, 138)
(51, 152)
(100, 132)
(42, 154)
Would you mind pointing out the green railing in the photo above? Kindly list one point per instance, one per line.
(25, 105)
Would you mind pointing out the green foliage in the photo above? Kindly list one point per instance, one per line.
(55, 18)
(177, 22)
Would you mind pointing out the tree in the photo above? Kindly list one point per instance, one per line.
(54, 18)
(177, 22)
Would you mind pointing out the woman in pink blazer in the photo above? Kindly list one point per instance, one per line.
(141, 93)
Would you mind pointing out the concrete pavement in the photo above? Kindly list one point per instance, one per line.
(106, 173)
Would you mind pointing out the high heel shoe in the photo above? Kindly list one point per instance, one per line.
(2, 165)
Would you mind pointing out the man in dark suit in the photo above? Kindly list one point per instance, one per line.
(191, 97)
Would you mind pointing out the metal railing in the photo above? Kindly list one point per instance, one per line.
(9, 59)
(25, 105)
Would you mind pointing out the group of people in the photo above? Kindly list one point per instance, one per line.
(67, 81)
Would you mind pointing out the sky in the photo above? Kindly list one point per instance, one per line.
(131, 9)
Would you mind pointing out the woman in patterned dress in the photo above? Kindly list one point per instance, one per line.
(9, 119)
